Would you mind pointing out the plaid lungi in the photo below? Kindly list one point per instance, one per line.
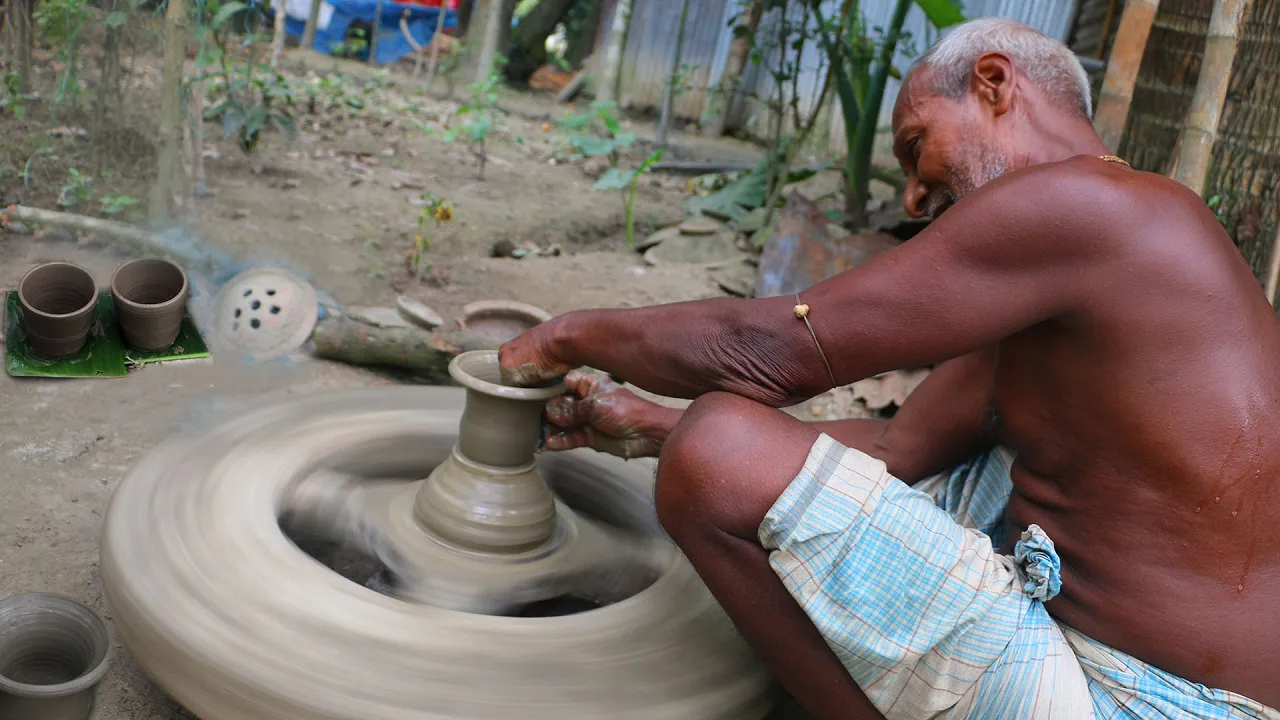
(905, 585)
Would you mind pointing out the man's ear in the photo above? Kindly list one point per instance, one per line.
(993, 81)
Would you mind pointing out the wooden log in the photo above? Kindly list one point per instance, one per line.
(1122, 70)
(356, 343)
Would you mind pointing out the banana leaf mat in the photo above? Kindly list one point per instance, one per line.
(104, 354)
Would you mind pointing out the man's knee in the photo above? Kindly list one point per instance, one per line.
(725, 464)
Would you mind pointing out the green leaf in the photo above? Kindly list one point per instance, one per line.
(616, 179)
(624, 139)
(225, 13)
(116, 19)
(478, 128)
(942, 13)
(736, 199)
(591, 146)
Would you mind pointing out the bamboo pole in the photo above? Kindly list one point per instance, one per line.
(1273, 272)
(277, 37)
(669, 92)
(313, 24)
(1200, 132)
(1122, 70)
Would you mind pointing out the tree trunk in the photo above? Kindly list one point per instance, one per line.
(669, 91)
(109, 92)
(164, 197)
(466, 9)
(581, 46)
(436, 42)
(1201, 130)
(858, 160)
(611, 71)
(1122, 70)
(529, 39)
(277, 38)
(23, 37)
(722, 101)
(313, 25)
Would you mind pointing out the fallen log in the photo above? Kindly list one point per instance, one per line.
(356, 343)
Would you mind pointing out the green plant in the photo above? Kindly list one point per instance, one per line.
(113, 205)
(77, 190)
(435, 212)
(60, 23)
(481, 113)
(603, 136)
(15, 98)
(863, 69)
(251, 99)
(626, 182)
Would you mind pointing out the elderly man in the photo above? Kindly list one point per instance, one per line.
(1076, 516)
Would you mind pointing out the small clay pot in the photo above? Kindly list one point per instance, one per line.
(501, 425)
(54, 650)
(150, 297)
(58, 300)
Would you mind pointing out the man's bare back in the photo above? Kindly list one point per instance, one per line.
(1145, 422)
(1095, 320)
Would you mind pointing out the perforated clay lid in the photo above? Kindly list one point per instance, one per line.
(266, 312)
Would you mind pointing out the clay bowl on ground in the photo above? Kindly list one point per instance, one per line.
(54, 650)
(58, 300)
(502, 320)
(150, 297)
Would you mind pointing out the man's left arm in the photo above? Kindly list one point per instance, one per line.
(1003, 259)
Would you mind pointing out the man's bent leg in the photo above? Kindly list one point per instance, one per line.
(720, 472)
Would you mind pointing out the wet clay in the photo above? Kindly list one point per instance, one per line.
(53, 654)
(193, 537)
(150, 296)
(58, 300)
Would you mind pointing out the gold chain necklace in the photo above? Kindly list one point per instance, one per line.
(1114, 159)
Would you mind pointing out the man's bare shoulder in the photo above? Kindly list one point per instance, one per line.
(1086, 205)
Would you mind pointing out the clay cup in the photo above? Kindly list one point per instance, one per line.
(54, 651)
(150, 296)
(58, 300)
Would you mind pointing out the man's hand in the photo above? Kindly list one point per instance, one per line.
(532, 358)
(600, 414)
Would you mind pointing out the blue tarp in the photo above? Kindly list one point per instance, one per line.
(392, 44)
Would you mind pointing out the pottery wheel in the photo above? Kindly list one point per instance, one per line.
(227, 612)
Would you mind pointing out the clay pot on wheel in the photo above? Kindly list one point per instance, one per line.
(150, 297)
(58, 300)
(53, 654)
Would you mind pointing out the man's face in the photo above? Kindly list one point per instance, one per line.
(947, 148)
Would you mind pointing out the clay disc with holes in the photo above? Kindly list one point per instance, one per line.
(235, 621)
(267, 312)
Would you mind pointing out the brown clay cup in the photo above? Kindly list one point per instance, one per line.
(58, 300)
(150, 297)
(54, 651)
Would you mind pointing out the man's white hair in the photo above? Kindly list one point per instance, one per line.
(1048, 63)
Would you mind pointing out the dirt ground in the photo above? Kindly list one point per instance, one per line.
(338, 207)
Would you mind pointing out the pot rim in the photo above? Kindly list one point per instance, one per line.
(509, 392)
(180, 296)
(26, 305)
(85, 680)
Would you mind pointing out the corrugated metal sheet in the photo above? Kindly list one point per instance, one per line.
(651, 43)
(708, 32)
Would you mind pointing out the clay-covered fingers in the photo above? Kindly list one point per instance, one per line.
(531, 358)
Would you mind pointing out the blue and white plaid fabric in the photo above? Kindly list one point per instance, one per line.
(906, 586)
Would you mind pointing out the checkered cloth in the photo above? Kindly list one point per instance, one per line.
(906, 586)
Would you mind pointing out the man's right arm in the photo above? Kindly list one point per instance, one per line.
(944, 421)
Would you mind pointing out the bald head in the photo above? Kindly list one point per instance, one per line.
(1047, 63)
